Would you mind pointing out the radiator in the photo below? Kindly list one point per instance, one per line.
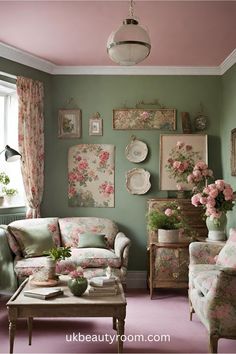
(6, 219)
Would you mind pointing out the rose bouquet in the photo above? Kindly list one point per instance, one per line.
(200, 175)
(181, 162)
(216, 198)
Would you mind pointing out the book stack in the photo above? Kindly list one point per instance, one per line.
(43, 293)
(102, 286)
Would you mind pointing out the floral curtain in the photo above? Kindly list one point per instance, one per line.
(31, 141)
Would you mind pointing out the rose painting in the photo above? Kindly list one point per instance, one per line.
(91, 175)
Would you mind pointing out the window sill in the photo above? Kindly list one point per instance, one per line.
(6, 209)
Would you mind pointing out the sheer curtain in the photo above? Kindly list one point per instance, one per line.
(31, 141)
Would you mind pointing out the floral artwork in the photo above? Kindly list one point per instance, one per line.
(69, 123)
(162, 119)
(179, 155)
(91, 175)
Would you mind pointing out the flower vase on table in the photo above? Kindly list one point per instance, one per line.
(216, 227)
(216, 198)
(77, 282)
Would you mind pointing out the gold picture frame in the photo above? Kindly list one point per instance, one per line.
(233, 152)
(95, 126)
(142, 119)
(69, 123)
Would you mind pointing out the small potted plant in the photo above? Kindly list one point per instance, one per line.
(77, 282)
(6, 193)
(56, 254)
(167, 221)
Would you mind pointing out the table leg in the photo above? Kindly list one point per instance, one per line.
(12, 330)
(120, 332)
(30, 326)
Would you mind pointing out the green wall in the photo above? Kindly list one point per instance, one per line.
(103, 94)
(228, 122)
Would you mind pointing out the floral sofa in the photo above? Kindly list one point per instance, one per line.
(29, 239)
(212, 287)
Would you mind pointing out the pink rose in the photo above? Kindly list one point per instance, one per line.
(179, 144)
(220, 184)
(179, 187)
(188, 147)
(168, 212)
(195, 200)
(83, 165)
(214, 193)
(211, 201)
(190, 178)
(203, 200)
(176, 164)
(200, 165)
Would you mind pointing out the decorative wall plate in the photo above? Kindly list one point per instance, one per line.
(136, 151)
(138, 181)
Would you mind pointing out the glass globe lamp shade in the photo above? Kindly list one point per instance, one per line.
(129, 44)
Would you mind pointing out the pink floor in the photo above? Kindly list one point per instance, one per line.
(166, 314)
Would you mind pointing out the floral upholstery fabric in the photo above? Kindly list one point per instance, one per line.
(227, 256)
(90, 257)
(203, 252)
(93, 260)
(71, 228)
(16, 228)
(212, 291)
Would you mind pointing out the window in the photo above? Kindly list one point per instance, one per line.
(9, 136)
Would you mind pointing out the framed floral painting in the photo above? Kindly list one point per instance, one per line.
(178, 155)
(91, 175)
(233, 152)
(162, 119)
(69, 123)
(95, 126)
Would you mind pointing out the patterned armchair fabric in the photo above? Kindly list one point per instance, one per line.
(66, 231)
(212, 288)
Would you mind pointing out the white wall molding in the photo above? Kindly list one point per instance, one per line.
(134, 70)
(35, 62)
(228, 62)
(22, 57)
(136, 279)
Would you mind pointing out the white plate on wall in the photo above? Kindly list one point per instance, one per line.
(138, 181)
(136, 151)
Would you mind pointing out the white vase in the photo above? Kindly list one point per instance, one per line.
(51, 267)
(168, 236)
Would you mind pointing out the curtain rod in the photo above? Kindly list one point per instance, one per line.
(2, 73)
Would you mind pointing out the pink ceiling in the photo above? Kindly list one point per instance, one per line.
(183, 33)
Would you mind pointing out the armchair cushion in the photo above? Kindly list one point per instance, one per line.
(227, 256)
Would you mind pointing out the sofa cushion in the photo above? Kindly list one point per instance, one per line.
(90, 240)
(227, 256)
(72, 227)
(90, 257)
(35, 236)
(204, 280)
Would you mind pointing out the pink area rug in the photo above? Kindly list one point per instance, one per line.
(160, 325)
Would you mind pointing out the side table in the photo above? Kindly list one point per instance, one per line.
(168, 265)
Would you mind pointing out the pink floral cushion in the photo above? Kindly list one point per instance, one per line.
(72, 227)
(23, 235)
(227, 256)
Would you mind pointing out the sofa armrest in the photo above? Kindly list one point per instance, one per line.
(203, 252)
(121, 242)
(8, 280)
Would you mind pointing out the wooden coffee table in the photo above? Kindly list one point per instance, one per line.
(67, 305)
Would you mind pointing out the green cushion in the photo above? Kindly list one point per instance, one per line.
(90, 240)
(34, 240)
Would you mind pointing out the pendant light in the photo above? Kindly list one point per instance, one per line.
(130, 43)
